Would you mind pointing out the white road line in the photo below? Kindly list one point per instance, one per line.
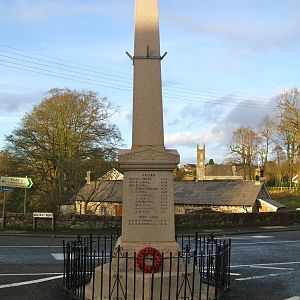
(15, 284)
(257, 243)
(262, 276)
(271, 268)
(29, 274)
(261, 236)
(273, 227)
(30, 246)
(58, 256)
(293, 298)
(269, 264)
(235, 274)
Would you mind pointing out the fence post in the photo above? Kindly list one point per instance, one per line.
(211, 266)
(217, 271)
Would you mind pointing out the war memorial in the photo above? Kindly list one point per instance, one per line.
(147, 261)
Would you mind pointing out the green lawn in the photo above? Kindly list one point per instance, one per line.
(290, 200)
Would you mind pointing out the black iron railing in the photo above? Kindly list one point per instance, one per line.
(200, 271)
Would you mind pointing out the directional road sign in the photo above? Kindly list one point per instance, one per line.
(16, 182)
(5, 189)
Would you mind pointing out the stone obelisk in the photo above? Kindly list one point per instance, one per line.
(148, 203)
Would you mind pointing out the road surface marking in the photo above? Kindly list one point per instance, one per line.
(9, 285)
(262, 276)
(235, 274)
(293, 298)
(58, 256)
(273, 227)
(261, 236)
(30, 246)
(257, 243)
(30, 274)
(271, 268)
(269, 264)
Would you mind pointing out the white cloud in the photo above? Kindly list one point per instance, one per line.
(211, 134)
(251, 115)
(244, 37)
(18, 102)
(28, 10)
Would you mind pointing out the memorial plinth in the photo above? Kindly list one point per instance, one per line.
(148, 204)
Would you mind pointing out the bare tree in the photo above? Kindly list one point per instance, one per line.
(66, 126)
(279, 166)
(266, 132)
(289, 127)
(244, 146)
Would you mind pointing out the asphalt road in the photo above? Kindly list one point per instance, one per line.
(264, 266)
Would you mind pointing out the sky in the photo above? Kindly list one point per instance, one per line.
(226, 62)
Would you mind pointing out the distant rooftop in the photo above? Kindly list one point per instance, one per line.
(223, 192)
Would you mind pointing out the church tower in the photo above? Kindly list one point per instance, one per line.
(200, 163)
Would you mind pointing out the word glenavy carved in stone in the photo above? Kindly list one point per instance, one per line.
(148, 155)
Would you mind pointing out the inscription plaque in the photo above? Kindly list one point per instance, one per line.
(149, 205)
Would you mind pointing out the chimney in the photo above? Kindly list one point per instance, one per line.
(88, 177)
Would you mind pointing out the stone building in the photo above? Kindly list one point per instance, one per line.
(234, 196)
(215, 195)
(216, 171)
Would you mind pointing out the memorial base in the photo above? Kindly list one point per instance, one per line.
(110, 284)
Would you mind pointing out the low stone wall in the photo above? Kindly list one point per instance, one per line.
(215, 220)
(87, 222)
(62, 222)
(189, 221)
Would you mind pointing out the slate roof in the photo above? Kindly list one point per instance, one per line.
(236, 192)
(101, 190)
(222, 170)
(223, 192)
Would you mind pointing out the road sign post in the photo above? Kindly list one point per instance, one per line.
(25, 201)
(3, 210)
(16, 182)
(5, 189)
(42, 215)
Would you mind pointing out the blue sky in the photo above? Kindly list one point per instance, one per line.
(226, 62)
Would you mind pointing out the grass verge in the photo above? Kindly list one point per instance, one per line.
(291, 200)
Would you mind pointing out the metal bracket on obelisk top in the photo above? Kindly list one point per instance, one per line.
(148, 56)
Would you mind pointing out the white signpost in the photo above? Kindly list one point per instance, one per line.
(16, 182)
(43, 215)
(4, 190)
